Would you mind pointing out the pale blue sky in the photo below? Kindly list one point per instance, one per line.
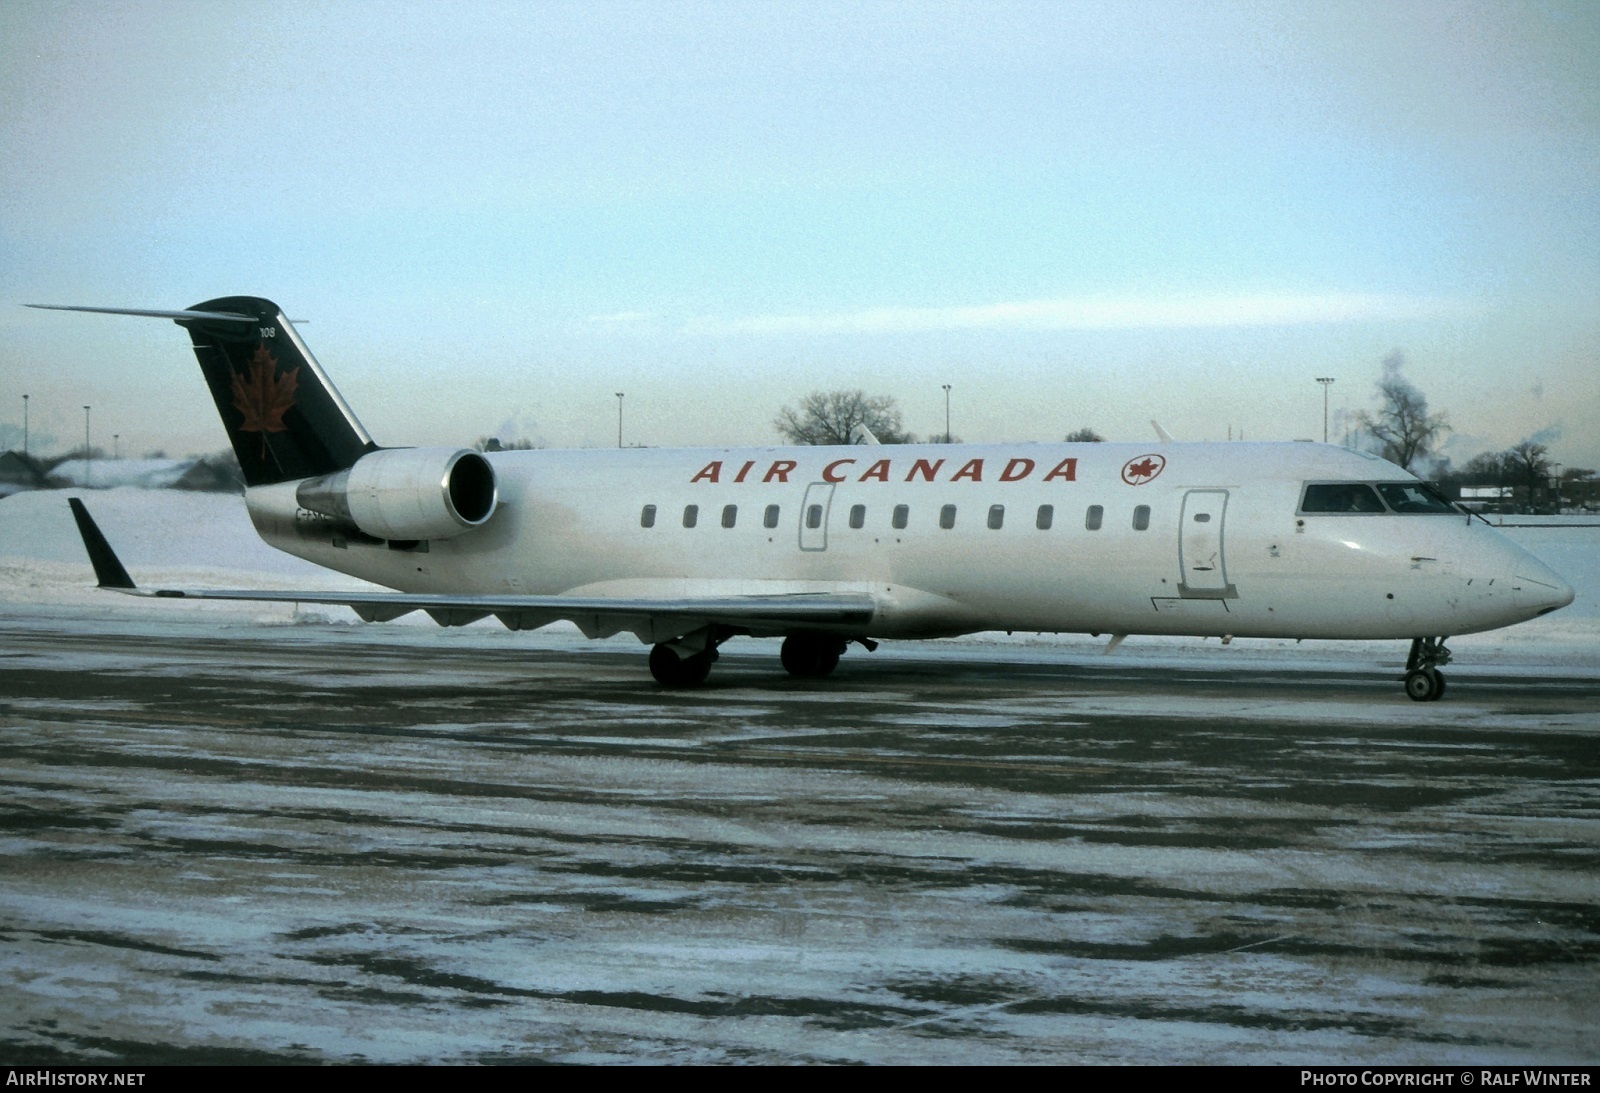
(495, 216)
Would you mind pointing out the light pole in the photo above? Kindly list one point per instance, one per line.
(88, 452)
(619, 419)
(24, 424)
(946, 387)
(116, 445)
(1327, 382)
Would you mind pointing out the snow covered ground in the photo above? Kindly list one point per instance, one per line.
(177, 538)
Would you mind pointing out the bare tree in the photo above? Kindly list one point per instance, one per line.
(1485, 469)
(1402, 425)
(1085, 435)
(1528, 463)
(841, 417)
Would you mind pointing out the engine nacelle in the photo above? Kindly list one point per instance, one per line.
(407, 493)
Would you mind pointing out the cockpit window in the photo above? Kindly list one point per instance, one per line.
(1340, 497)
(1405, 498)
(1413, 497)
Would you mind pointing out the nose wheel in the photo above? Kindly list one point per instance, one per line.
(1423, 680)
(1425, 685)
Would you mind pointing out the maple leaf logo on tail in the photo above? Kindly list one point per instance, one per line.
(262, 396)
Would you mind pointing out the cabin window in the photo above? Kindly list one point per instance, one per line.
(1141, 518)
(947, 517)
(691, 515)
(770, 518)
(858, 516)
(902, 513)
(997, 516)
(1046, 517)
(647, 516)
(730, 515)
(1093, 517)
(814, 517)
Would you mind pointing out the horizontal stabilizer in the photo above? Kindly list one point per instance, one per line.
(180, 316)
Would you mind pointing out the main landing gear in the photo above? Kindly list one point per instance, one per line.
(687, 661)
(689, 670)
(810, 656)
(1423, 680)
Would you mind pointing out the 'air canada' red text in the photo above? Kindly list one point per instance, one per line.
(1015, 469)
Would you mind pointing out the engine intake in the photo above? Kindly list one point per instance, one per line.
(407, 493)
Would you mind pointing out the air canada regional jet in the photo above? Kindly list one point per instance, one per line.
(827, 546)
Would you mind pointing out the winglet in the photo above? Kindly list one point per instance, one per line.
(108, 570)
(1160, 432)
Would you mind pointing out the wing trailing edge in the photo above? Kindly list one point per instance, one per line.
(652, 619)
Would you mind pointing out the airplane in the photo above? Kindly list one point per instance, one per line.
(828, 546)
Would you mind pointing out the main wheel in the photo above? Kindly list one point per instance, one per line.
(1424, 684)
(671, 670)
(810, 656)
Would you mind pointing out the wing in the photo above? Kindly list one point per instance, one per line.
(652, 619)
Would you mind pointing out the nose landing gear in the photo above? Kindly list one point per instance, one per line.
(1423, 680)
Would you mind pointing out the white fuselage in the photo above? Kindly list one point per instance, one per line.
(1165, 538)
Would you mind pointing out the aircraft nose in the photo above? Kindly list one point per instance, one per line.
(1537, 589)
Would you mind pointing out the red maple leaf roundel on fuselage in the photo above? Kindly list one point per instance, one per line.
(262, 396)
(1141, 469)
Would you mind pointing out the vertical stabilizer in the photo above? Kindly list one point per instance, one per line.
(286, 421)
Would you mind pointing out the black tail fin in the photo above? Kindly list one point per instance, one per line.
(285, 420)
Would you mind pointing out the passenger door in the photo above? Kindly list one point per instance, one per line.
(1202, 567)
(814, 516)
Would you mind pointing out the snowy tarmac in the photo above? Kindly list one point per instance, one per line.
(261, 835)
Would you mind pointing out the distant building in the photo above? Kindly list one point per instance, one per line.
(1486, 498)
(19, 472)
(151, 474)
